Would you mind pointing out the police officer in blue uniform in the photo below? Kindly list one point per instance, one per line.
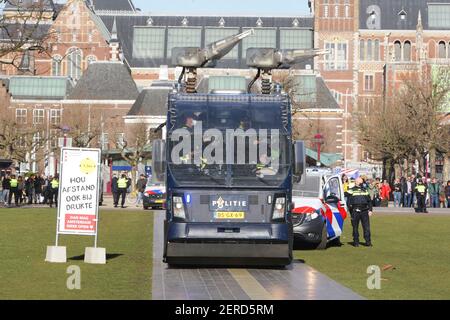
(360, 206)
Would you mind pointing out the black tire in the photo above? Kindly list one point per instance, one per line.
(323, 244)
(146, 207)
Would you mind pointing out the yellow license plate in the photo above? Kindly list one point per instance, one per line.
(230, 215)
(159, 201)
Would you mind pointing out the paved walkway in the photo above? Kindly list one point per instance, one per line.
(297, 282)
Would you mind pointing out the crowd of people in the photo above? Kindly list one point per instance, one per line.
(30, 189)
(34, 189)
(410, 192)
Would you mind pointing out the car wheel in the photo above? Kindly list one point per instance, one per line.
(323, 244)
(145, 207)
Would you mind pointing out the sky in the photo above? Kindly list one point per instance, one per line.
(225, 7)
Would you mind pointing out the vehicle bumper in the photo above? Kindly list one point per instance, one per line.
(228, 244)
(152, 202)
(309, 232)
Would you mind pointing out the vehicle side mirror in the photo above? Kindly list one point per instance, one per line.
(299, 159)
(159, 160)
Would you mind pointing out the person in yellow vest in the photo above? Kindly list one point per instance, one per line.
(122, 186)
(13, 190)
(421, 194)
(54, 189)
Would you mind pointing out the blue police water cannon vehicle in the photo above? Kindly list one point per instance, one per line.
(228, 161)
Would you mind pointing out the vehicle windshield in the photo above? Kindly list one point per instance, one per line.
(229, 145)
(309, 187)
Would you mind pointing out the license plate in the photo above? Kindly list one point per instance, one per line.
(229, 215)
(159, 201)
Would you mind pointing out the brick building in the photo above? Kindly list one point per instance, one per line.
(374, 44)
(92, 110)
(74, 38)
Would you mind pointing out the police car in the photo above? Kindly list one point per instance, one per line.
(319, 210)
(154, 196)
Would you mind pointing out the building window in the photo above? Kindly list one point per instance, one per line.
(336, 11)
(442, 52)
(337, 58)
(74, 64)
(38, 116)
(263, 38)
(307, 88)
(398, 51)
(37, 138)
(104, 141)
(407, 51)
(376, 49)
(368, 105)
(56, 66)
(120, 139)
(296, 39)
(347, 11)
(21, 116)
(149, 42)
(337, 96)
(439, 16)
(183, 37)
(369, 50)
(325, 11)
(55, 117)
(362, 48)
(54, 135)
(216, 34)
(368, 82)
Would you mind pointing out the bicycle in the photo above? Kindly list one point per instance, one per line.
(131, 197)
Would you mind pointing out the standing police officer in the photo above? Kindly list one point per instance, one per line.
(421, 194)
(54, 190)
(360, 206)
(122, 186)
(13, 190)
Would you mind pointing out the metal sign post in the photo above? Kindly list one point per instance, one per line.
(78, 201)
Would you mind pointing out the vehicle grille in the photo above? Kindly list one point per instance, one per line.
(156, 196)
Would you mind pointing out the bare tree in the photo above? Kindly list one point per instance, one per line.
(424, 98)
(135, 146)
(409, 126)
(23, 34)
(83, 127)
(21, 143)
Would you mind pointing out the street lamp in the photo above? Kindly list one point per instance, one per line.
(318, 140)
(65, 130)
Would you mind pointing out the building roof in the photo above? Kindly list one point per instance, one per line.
(105, 81)
(315, 95)
(18, 31)
(152, 101)
(15, 5)
(325, 99)
(126, 26)
(45, 88)
(327, 159)
(112, 6)
(391, 12)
